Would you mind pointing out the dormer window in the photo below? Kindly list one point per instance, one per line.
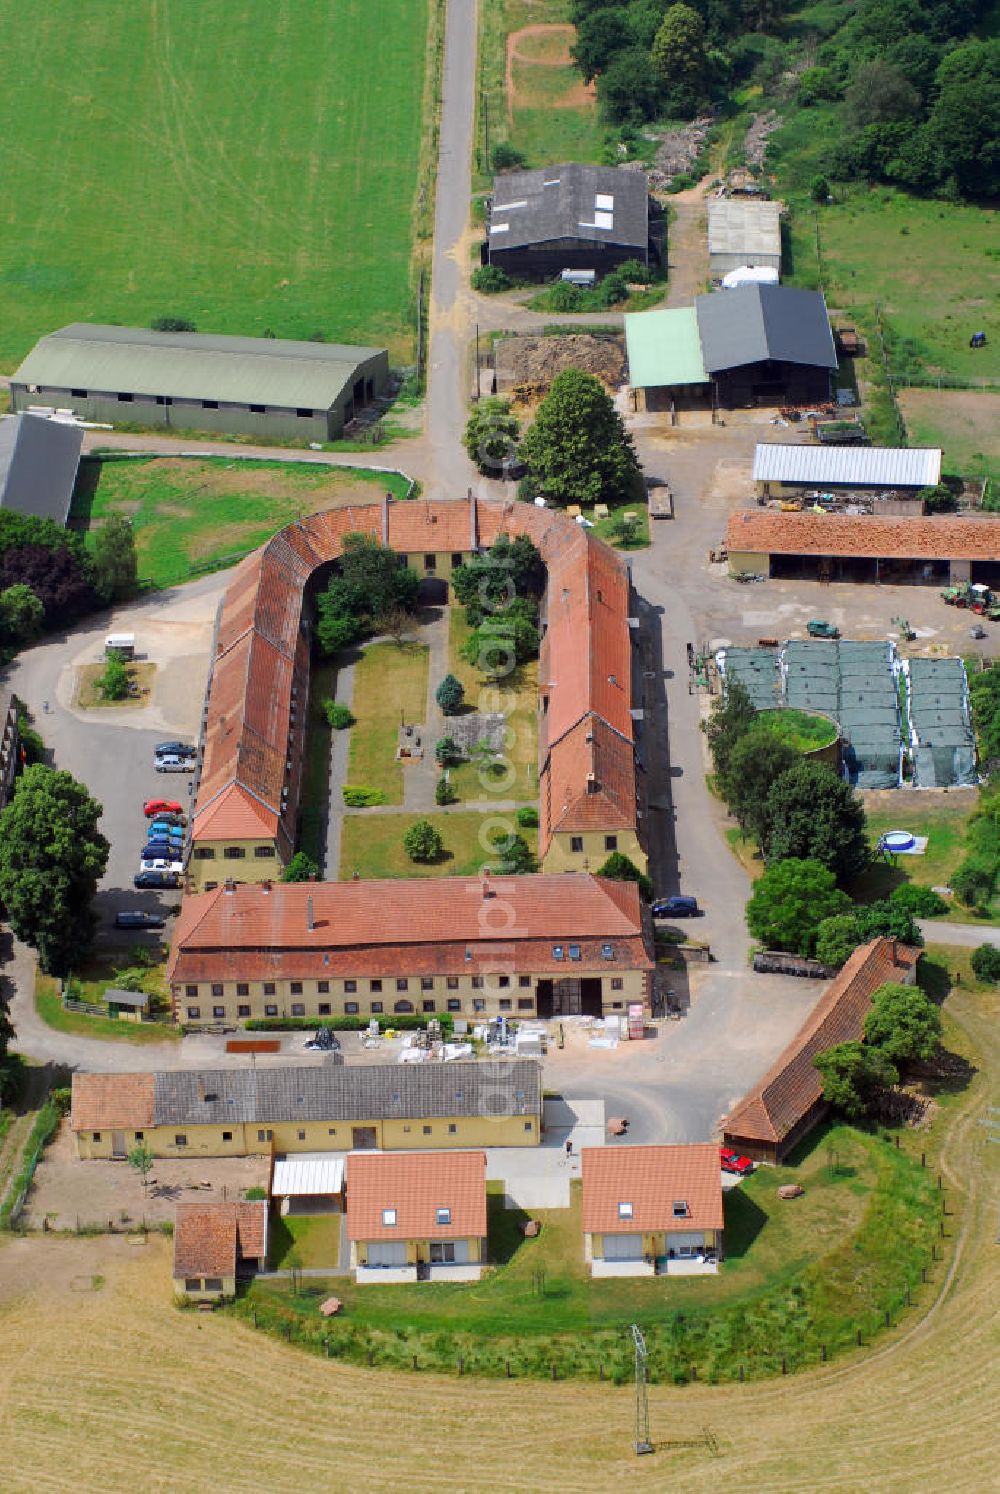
(388, 1216)
(680, 1208)
(625, 1210)
(557, 951)
(442, 1216)
(607, 952)
(574, 951)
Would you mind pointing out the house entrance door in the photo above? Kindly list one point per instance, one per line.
(363, 1138)
(118, 1144)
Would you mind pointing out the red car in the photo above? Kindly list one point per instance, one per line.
(733, 1162)
(161, 806)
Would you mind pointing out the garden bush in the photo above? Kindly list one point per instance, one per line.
(986, 963)
(490, 280)
(337, 716)
(444, 791)
(921, 901)
(357, 796)
(527, 817)
(404, 1022)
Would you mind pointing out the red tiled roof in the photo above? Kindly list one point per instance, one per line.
(112, 1102)
(408, 927)
(792, 1086)
(430, 528)
(209, 1238)
(652, 1179)
(260, 651)
(416, 1185)
(765, 532)
(588, 782)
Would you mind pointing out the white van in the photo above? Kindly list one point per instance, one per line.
(120, 643)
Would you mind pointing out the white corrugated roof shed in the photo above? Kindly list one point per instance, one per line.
(738, 227)
(307, 1173)
(849, 466)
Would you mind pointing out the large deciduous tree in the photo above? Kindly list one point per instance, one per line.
(578, 449)
(733, 715)
(680, 56)
(114, 560)
(903, 1024)
(812, 814)
(964, 124)
(371, 585)
(757, 760)
(491, 434)
(52, 856)
(854, 1076)
(790, 901)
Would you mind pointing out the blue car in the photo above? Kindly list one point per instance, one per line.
(160, 830)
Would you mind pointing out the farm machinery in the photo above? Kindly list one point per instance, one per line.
(975, 597)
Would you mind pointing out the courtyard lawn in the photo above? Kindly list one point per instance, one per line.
(518, 697)
(390, 686)
(798, 729)
(191, 515)
(309, 1241)
(372, 844)
(796, 1275)
(942, 822)
(229, 164)
(608, 529)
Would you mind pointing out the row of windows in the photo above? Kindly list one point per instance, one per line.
(377, 1008)
(266, 1134)
(576, 843)
(203, 404)
(427, 983)
(232, 853)
(430, 561)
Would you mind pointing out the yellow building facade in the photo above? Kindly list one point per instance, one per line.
(588, 850)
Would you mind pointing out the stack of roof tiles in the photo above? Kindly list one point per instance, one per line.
(295, 931)
(252, 752)
(792, 1088)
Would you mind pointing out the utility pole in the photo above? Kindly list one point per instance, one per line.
(642, 1443)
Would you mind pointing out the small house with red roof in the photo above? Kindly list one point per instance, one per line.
(416, 1217)
(214, 1243)
(651, 1210)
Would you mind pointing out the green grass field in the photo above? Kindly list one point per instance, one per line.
(48, 1004)
(390, 685)
(933, 266)
(943, 823)
(798, 729)
(795, 1276)
(372, 844)
(195, 515)
(245, 166)
(518, 699)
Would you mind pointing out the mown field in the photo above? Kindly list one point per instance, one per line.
(249, 167)
(85, 1323)
(190, 516)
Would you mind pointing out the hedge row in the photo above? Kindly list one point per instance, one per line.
(44, 1128)
(413, 1022)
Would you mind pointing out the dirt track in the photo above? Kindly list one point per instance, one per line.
(579, 96)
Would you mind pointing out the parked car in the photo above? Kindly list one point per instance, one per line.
(162, 864)
(174, 821)
(177, 749)
(155, 880)
(171, 763)
(137, 920)
(163, 830)
(733, 1162)
(325, 1041)
(161, 806)
(676, 907)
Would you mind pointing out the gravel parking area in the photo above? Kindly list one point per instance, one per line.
(71, 1194)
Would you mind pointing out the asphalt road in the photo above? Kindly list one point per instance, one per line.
(966, 935)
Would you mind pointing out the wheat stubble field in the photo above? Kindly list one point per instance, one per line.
(114, 1389)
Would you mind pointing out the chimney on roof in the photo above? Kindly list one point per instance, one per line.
(201, 1090)
(265, 886)
(485, 879)
(310, 917)
(892, 952)
(229, 886)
